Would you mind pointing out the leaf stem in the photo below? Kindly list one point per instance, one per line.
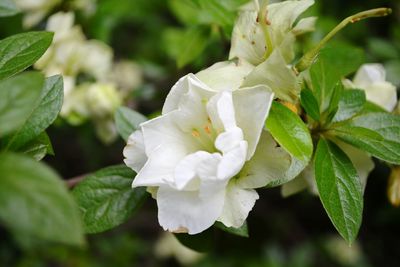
(309, 57)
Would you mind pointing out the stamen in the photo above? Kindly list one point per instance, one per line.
(195, 133)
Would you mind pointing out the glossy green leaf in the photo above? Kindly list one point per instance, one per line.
(20, 51)
(18, 96)
(351, 102)
(127, 121)
(310, 104)
(241, 231)
(107, 199)
(8, 8)
(38, 148)
(333, 63)
(43, 114)
(290, 131)
(339, 188)
(376, 133)
(35, 202)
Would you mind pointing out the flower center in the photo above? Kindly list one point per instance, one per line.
(205, 136)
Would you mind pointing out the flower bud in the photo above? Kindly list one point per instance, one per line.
(393, 190)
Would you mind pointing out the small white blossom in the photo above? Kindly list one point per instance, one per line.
(194, 152)
(372, 79)
(35, 10)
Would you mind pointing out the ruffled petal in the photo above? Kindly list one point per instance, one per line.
(238, 203)
(368, 74)
(251, 110)
(187, 211)
(135, 156)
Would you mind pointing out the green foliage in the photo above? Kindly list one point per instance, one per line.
(106, 198)
(333, 63)
(339, 188)
(290, 131)
(376, 133)
(43, 114)
(8, 8)
(38, 147)
(22, 50)
(127, 121)
(310, 104)
(17, 97)
(351, 102)
(35, 202)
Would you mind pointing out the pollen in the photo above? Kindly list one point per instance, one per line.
(195, 133)
(207, 129)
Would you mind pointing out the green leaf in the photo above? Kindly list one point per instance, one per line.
(186, 45)
(351, 103)
(376, 133)
(310, 104)
(35, 202)
(241, 231)
(18, 96)
(38, 147)
(290, 131)
(127, 121)
(43, 114)
(20, 51)
(333, 63)
(8, 8)
(339, 188)
(107, 199)
(202, 242)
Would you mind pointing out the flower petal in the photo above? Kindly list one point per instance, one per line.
(181, 87)
(383, 94)
(275, 74)
(251, 110)
(186, 211)
(226, 75)
(368, 74)
(270, 166)
(221, 111)
(135, 156)
(232, 161)
(238, 203)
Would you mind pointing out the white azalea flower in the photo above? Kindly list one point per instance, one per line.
(248, 38)
(372, 79)
(194, 152)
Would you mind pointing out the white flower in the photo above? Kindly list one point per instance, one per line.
(248, 39)
(127, 75)
(98, 59)
(372, 79)
(194, 152)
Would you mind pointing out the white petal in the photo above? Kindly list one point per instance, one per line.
(226, 141)
(159, 169)
(368, 74)
(304, 25)
(275, 74)
(248, 41)
(383, 94)
(135, 156)
(181, 87)
(186, 171)
(226, 75)
(251, 110)
(221, 111)
(270, 166)
(186, 211)
(238, 203)
(282, 15)
(232, 162)
(163, 132)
